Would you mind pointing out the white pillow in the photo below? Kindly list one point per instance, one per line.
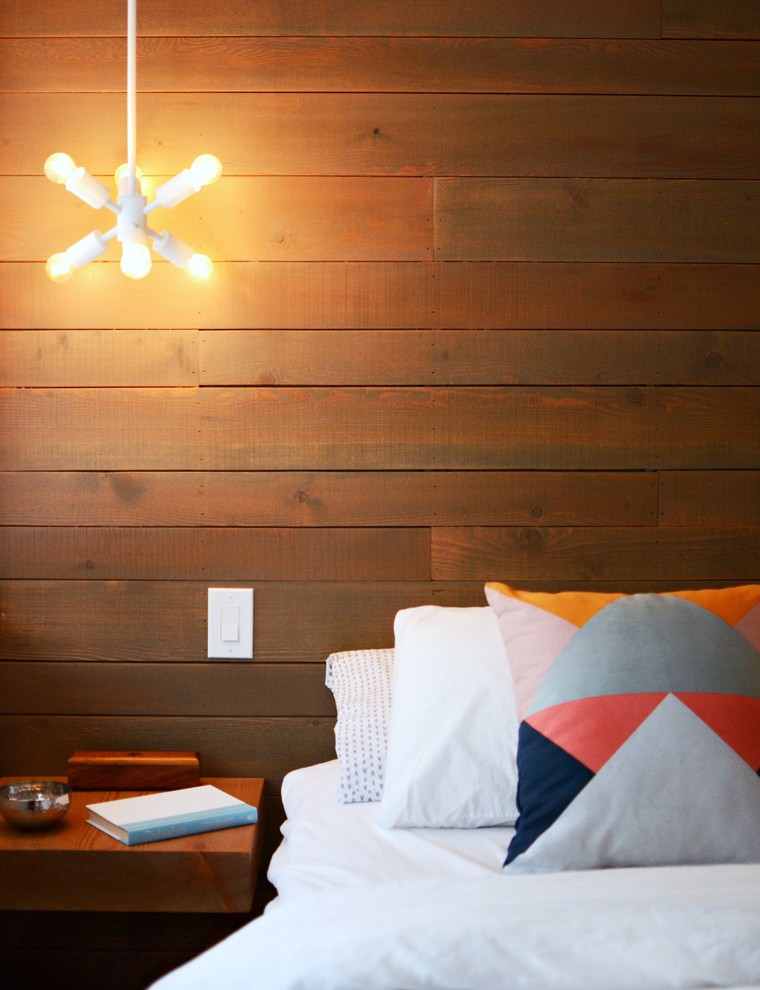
(451, 760)
(360, 681)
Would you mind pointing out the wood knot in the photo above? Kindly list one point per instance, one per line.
(530, 538)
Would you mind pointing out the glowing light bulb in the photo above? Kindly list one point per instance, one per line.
(59, 267)
(58, 167)
(204, 170)
(199, 268)
(136, 261)
(122, 172)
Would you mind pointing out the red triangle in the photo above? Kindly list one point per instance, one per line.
(592, 729)
(733, 717)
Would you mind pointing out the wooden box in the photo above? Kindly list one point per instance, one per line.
(133, 771)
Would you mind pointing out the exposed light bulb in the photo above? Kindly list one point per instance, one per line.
(199, 268)
(59, 267)
(136, 261)
(204, 170)
(58, 167)
(122, 172)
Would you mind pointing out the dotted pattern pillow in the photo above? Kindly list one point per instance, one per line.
(639, 738)
(360, 681)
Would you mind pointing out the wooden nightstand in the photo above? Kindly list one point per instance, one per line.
(76, 867)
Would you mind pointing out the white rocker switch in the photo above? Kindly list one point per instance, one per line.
(230, 623)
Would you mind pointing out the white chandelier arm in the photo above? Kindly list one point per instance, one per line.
(61, 266)
(204, 170)
(172, 248)
(197, 267)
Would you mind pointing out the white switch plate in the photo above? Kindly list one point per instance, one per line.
(230, 623)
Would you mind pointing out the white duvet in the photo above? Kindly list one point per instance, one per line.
(363, 908)
(641, 929)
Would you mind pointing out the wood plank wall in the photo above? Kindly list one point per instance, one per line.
(485, 305)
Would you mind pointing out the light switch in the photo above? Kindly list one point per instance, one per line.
(230, 623)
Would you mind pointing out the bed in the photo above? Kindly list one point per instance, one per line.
(549, 792)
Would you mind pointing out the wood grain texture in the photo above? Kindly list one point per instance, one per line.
(207, 689)
(551, 18)
(581, 220)
(489, 428)
(86, 870)
(710, 19)
(132, 771)
(267, 218)
(42, 358)
(709, 498)
(475, 357)
(402, 134)
(516, 554)
(295, 622)
(263, 747)
(383, 64)
(328, 617)
(214, 555)
(326, 498)
(34, 358)
(391, 295)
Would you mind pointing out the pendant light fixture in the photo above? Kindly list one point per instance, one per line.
(131, 207)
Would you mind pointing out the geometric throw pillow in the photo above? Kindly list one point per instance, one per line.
(360, 681)
(639, 737)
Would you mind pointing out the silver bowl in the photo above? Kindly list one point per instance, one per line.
(34, 803)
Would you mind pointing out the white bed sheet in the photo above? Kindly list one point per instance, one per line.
(363, 908)
(327, 844)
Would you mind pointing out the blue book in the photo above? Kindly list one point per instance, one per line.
(169, 814)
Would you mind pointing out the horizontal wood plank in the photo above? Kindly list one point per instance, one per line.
(551, 18)
(31, 358)
(210, 689)
(298, 621)
(237, 554)
(228, 747)
(326, 498)
(489, 428)
(284, 219)
(516, 554)
(475, 357)
(649, 220)
(329, 617)
(389, 295)
(382, 64)
(709, 498)
(710, 19)
(401, 134)
(42, 358)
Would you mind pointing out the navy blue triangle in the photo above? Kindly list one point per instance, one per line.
(548, 779)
